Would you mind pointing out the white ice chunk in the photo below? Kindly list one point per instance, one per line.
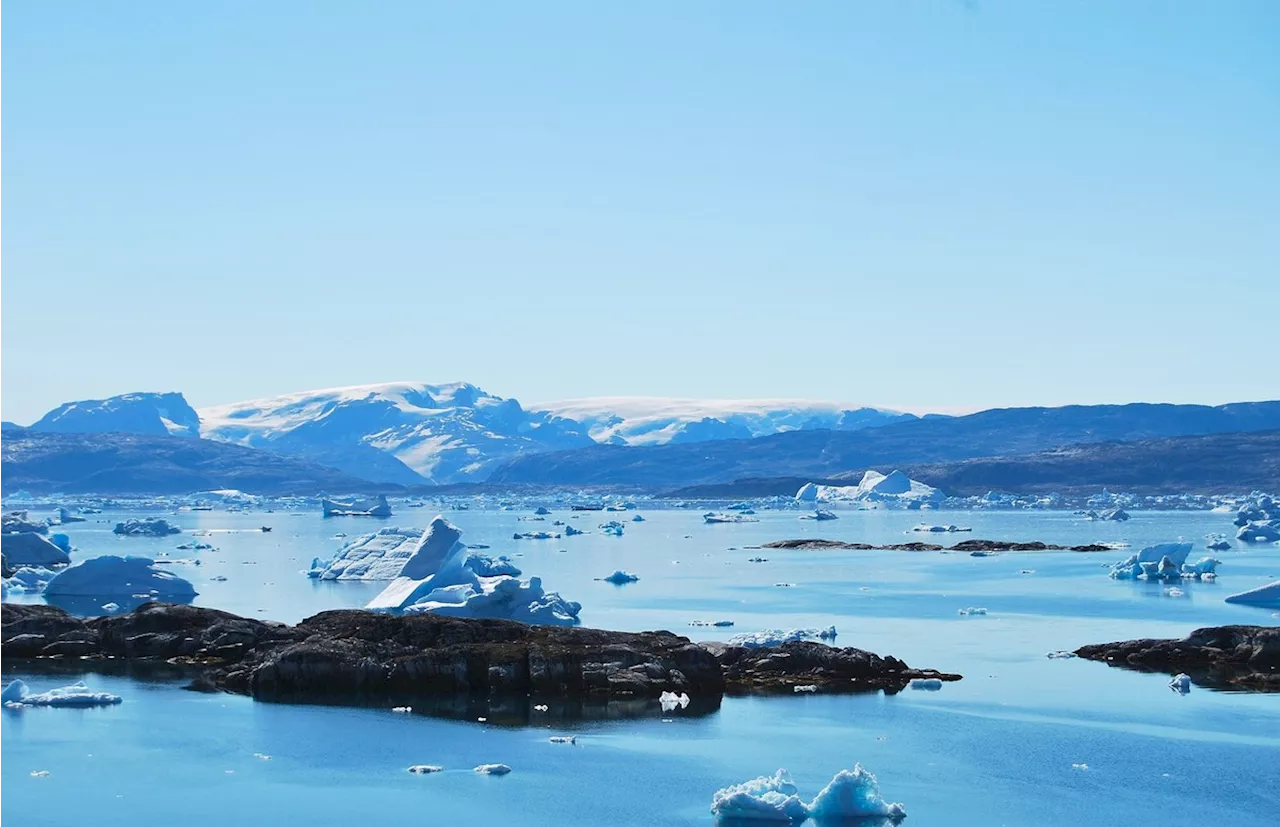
(493, 769)
(75, 695)
(777, 637)
(853, 794)
(620, 577)
(767, 798)
(112, 576)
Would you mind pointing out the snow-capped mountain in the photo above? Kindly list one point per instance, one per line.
(136, 413)
(648, 420)
(405, 432)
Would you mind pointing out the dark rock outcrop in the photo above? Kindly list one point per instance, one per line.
(966, 545)
(359, 657)
(1221, 657)
(774, 668)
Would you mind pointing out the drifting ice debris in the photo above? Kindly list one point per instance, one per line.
(722, 517)
(1217, 542)
(1181, 683)
(1061, 654)
(427, 769)
(820, 515)
(619, 577)
(570, 531)
(613, 527)
(1200, 568)
(535, 535)
(1117, 515)
(493, 769)
(850, 795)
(563, 739)
(777, 637)
(402, 709)
(146, 527)
(806, 688)
(1081, 767)
(1268, 532)
(541, 708)
(262, 756)
(16, 695)
(808, 493)
(938, 529)
(671, 700)
(112, 576)
(31, 549)
(16, 522)
(110, 607)
(757, 559)
(720, 623)
(972, 610)
(637, 519)
(1267, 596)
(1174, 591)
(927, 684)
(1162, 561)
(444, 577)
(27, 580)
(368, 507)
(542, 511)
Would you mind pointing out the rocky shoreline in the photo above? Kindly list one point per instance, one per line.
(1220, 657)
(966, 545)
(359, 657)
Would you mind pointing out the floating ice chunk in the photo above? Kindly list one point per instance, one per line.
(777, 637)
(1268, 532)
(671, 700)
(637, 519)
(17, 695)
(493, 769)
(367, 507)
(542, 511)
(619, 577)
(1217, 542)
(927, 684)
(570, 531)
(563, 739)
(1267, 596)
(1061, 654)
(146, 527)
(853, 794)
(1181, 683)
(767, 798)
(820, 515)
(110, 607)
(28, 580)
(427, 769)
(376, 556)
(1081, 767)
(1174, 591)
(937, 529)
(402, 709)
(1205, 565)
(808, 493)
(719, 623)
(262, 756)
(613, 527)
(972, 610)
(536, 535)
(540, 707)
(39, 773)
(722, 517)
(805, 688)
(31, 549)
(112, 576)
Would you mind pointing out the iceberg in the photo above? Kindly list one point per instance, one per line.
(1268, 532)
(32, 549)
(535, 535)
(892, 490)
(1201, 567)
(17, 522)
(820, 515)
(146, 527)
(112, 576)
(570, 531)
(1268, 596)
(17, 695)
(377, 556)
(425, 769)
(1217, 542)
(444, 577)
(808, 493)
(722, 517)
(27, 580)
(613, 527)
(670, 700)
(65, 516)
(777, 637)
(493, 769)
(1159, 561)
(368, 507)
(1181, 683)
(939, 529)
(620, 577)
(850, 795)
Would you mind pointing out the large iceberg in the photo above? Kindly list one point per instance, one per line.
(31, 549)
(112, 576)
(851, 795)
(146, 527)
(377, 556)
(1267, 596)
(1163, 560)
(777, 637)
(17, 695)
(1268, 532)
(26, 580)
(17, 522)
(894, 489)
(723, 517)
(444, 577)
(368, 507)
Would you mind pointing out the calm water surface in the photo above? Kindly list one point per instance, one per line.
(996, 748)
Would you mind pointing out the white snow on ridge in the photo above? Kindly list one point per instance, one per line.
(654, 420)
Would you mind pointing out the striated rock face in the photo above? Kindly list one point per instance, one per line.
(1237, 657)
(769, 669)
(353, 656)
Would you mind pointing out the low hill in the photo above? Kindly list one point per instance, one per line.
(116, 463)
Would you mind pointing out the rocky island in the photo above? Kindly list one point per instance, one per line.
(361, 657)
(1220, 657)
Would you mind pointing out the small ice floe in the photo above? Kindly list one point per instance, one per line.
(404, 710)
(850, 795)
(219, 578)
(262, 756)
(39, 773)
(927, 684)
(721, 517)
(1026, 571)
(612, 528)
(493, 769)
(110, 607)
(671, 700)
(1082, 767)
(1181, 683)
(784, 585)
(563, 739)
(541, 708)
(1174, 591)
(427, 769)
(1061, 654)
(619, 577)
(1217, 542)
(940, 529)
(16, 696)
(820, 515)
(757, 559)
(637, 519)
(720, 623)
(806, 688)
(972, 611)
(536, 535)
(777, 637)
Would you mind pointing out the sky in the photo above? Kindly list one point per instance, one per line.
(924, 205)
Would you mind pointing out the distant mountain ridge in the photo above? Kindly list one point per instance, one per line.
(826, 454)
(119, 463)
(135, 413)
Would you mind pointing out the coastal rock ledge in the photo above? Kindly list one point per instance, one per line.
(1220, 657)
(352, 656)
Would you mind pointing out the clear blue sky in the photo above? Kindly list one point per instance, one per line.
(932, 205)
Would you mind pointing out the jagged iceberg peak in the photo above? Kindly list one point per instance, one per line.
(894, 488)
(652, 420)
(404, 432)
(138, 413)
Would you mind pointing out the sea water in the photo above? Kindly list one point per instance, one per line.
(1023, 739)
